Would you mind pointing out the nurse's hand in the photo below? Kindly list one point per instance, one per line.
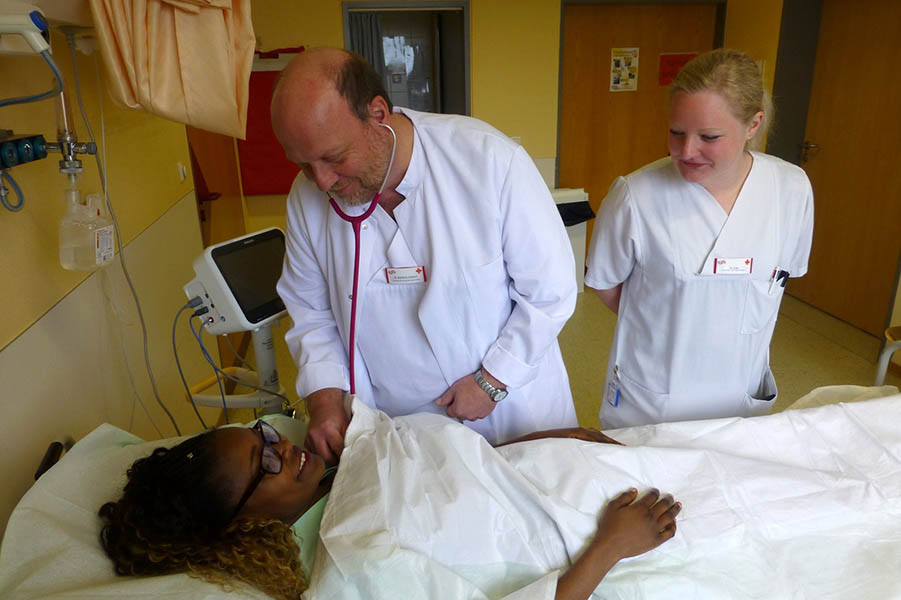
(466, 400)
(328, 423)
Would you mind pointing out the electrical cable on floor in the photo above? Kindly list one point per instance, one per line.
(70, 38)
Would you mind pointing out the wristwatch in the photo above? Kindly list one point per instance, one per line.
(496, 394)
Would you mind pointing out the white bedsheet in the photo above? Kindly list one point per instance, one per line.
(801, 504)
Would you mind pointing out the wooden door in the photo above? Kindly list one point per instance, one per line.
(854, 118)
(605, 134)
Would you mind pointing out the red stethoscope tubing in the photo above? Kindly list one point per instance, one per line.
(355, 223)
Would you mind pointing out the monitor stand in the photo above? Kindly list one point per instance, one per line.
(265, 377)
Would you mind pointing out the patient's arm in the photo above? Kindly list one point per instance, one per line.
(626, 529)
(579, 433)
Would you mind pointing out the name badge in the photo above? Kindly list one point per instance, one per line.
(733, 266)
(405, 274)
(613, 388)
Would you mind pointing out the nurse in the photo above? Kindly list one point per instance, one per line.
(427, 268)
(692, 252)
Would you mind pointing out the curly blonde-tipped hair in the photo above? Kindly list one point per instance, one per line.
(174, 517)
(735, 76)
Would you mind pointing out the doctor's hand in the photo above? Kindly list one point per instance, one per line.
(466, 400)
(328, 423)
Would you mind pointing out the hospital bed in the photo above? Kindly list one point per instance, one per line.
(799, 504)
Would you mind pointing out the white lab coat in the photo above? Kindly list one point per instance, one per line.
(500, 286)
(690, 344)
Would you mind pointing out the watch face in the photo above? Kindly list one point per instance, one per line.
(499, 395)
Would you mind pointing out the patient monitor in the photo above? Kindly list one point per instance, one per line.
(236, 281)
(236, 284)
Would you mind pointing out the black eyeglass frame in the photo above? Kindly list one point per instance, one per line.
(258, 427)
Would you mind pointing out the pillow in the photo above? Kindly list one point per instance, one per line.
(52, 549)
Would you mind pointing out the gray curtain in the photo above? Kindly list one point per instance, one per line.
(366, 39)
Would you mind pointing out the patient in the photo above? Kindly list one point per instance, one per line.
(220, 506)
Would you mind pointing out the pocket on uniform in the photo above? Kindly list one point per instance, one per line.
(760, 306)
(487, 286)
(628, 403)
(761, 402)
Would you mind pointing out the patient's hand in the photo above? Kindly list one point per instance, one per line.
(328, 423)
(630, 528)
(627, 528)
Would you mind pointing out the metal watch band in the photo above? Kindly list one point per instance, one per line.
(494, 393)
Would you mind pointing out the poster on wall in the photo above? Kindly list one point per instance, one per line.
(670, 65)
(623, 69)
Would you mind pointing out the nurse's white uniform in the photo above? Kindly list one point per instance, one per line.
(691, 343)
(499, 283)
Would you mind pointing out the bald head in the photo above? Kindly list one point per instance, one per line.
(328, 109)
(316, 75)
(316, 66)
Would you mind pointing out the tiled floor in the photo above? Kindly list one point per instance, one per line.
(809, 349)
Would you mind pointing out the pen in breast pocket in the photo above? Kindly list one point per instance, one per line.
(780, 278)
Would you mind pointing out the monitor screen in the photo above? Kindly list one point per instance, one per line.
(251, 267)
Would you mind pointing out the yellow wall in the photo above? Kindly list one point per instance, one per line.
(139, 148)
(280, 24)
(514, 55)
(515, 47)
(752, 26)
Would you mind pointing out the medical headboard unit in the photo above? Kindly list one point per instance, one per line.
(236, 281)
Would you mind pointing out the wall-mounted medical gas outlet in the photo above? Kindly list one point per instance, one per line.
(23, 28)
(20, 149)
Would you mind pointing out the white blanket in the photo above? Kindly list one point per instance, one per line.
(801, 504)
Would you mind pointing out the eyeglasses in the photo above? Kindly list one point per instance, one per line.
(270, 460)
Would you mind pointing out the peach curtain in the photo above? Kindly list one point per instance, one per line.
(185, 60)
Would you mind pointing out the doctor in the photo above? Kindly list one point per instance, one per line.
(464, 273)
(693, 252)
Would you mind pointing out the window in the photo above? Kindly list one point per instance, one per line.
(421, 51)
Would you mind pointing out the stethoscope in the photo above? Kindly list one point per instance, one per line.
(355, 222)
